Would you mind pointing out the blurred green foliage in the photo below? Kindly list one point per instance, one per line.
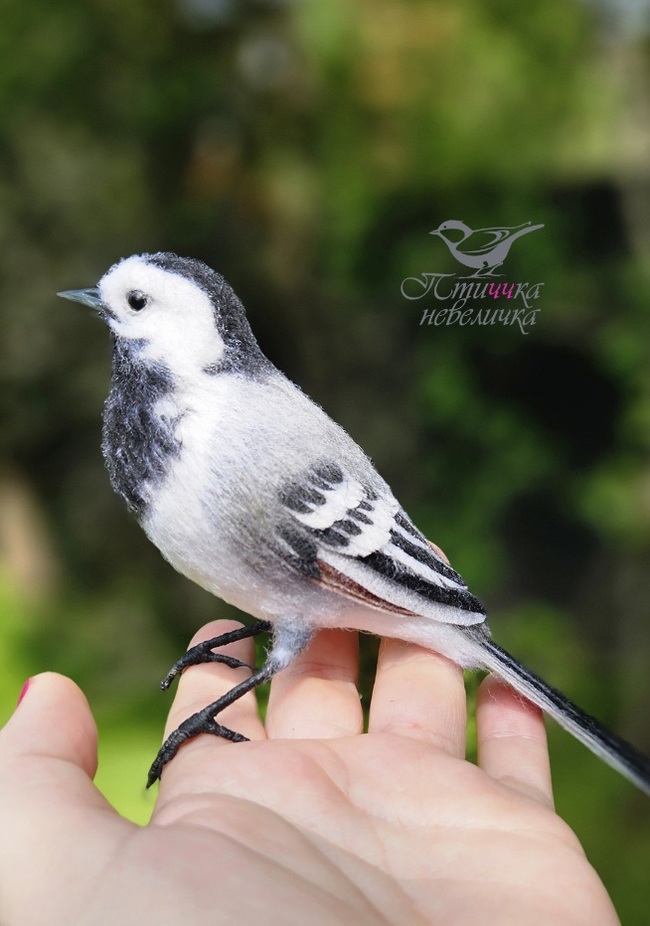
(306, 150)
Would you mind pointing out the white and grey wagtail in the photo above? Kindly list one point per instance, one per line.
(248, 488)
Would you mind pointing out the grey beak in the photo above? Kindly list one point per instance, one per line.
(89, 297)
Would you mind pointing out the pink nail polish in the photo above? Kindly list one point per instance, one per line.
(24, 690)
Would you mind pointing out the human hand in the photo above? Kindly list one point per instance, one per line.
(312, 823)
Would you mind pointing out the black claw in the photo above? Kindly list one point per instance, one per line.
(203, 652)
(198, 723)
(192, 658)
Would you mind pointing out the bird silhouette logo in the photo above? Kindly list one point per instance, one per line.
(482, 249)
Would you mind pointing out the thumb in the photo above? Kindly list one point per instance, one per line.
(52, 722)
(55, 825)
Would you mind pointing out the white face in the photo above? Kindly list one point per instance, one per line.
(173, 315)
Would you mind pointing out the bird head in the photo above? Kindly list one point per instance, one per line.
(175, 311)
(451, 225)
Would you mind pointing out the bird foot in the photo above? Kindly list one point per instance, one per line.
(289, 640)
(201, 722)
(203, 652)
(204, 721)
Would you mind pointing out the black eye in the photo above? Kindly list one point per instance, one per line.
(136, 300)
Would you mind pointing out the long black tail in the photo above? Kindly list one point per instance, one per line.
(610, 748)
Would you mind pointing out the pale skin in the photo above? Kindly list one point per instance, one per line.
(313, 823)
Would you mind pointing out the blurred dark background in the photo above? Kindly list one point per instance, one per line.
(306, 150)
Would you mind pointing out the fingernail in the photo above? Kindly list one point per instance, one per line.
(24, 690)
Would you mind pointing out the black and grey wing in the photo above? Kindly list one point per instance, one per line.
(355, 538)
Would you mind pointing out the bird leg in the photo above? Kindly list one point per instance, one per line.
(202, 652)
(289, 640)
